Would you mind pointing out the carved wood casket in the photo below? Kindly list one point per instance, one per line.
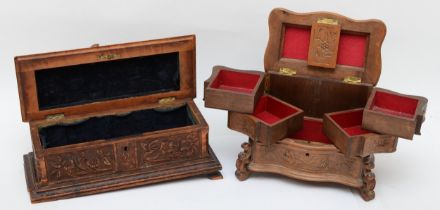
(325, 66)
(112, 117)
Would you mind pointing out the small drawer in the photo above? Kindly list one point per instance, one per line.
(345, 130)
(395, 114)
(233, 90)
(271, 121)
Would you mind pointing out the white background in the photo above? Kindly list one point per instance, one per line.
(232, 33)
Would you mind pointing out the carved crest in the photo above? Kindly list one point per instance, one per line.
(323, 48)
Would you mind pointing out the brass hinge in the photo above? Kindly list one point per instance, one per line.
(287, 71)
(167, 100)
(327, 21)
(108, 56)
(55, 117)
(352, 80)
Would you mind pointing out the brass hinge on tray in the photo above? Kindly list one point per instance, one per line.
(55, 117)
(352, 80)
(167, 100)
(287, 71)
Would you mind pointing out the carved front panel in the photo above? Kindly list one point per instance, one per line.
(80, 163)
(182, 146)
(126, 156)
(309, 160)
(323, 48)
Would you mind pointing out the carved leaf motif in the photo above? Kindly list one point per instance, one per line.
(175, 147)
(82, 163)
(309, 161)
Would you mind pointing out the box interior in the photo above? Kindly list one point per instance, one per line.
(352, 47)
(271, 110)
(87, 83)
(114, 126)
(235, 81)
(394, 104)
(318, 96)
(311, 131)
(350, 122)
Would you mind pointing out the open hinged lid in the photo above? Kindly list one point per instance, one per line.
(324, 45)
(109, 77)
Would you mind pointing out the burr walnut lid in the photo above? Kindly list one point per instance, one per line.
(109, 77)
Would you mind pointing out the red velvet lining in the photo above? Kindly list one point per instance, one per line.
(235, 81)
(351, 51)
(296, 43)
(351, 122)
(394, 104)
(311, 131)
(270, 110)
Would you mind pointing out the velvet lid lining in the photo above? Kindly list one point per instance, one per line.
(352, 48)
(114, 126)
(116, 79)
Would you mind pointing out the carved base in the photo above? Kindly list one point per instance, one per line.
(244, 158)
(308, 162)
(209, 165)
(368, 178)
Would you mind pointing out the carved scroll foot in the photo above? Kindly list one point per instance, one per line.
(244, 158)
(368, 178)
(215, 176)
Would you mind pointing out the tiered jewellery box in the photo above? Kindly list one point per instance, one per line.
(112, 117)
(315, 113)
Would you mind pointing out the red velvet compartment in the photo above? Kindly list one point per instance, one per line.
(351, 52)
(271, 111)
(394, 104)
(351, 122)
(311, 131)
(235, 81)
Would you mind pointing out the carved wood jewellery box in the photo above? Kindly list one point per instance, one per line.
(315, 114)
(112, 117)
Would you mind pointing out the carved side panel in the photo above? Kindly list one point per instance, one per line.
(80, 163)
(126, 156)
(181, 146)
(379, 144)
(310, 161)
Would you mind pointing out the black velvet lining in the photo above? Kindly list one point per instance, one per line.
(108, 127)
(87, 83)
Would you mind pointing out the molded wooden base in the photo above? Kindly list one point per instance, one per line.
(209, 166)
(308, 162)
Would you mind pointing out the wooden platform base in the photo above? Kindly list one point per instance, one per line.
(207, 166)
